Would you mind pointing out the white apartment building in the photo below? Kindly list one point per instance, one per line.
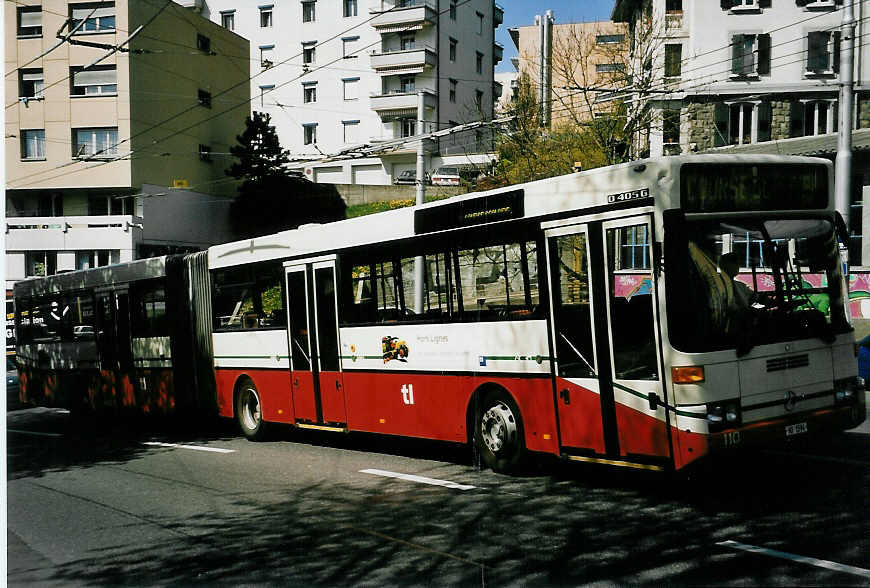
(114, 156)
(337, 75)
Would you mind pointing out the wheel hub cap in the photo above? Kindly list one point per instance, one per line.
(498, 428)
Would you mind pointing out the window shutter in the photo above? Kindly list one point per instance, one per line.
(737, 54)
(763, 54)
(32, 76)
(95, 77)
(836, 56)
(764, 3)
(726, 4)
(802, 2)
(82, 13)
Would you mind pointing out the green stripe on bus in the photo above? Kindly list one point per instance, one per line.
(251, 356)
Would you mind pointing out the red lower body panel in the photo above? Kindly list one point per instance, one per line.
(641, 434)
(273, 387)
(580, 419)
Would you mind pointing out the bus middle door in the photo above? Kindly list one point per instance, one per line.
(316, 378)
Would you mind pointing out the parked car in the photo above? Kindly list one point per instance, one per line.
(446, 176)
(406, 177)
(12, 385)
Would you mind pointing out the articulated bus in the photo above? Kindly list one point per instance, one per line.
(644, 315)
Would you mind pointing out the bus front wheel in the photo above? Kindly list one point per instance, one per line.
(249, 411)
(499, 432)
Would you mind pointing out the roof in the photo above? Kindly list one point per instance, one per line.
(812, 146)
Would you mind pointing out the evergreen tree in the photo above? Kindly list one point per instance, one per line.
(270, 198)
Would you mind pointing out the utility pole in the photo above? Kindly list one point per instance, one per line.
(421, 198)
(843, 168)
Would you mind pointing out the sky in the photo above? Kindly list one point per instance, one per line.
(518, 13)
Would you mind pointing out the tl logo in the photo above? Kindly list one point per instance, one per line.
(408, 393)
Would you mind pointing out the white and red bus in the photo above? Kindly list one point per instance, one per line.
(585, 316)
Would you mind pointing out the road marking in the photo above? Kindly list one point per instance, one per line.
(821, 563)
(421, 479)
(38, 433)
(194, 447)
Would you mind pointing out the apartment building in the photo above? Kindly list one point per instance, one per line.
(343, 78)
(757, 76)
(574, 55)
(113, 155)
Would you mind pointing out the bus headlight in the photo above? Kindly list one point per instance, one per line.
(723, 415)
(846, 390)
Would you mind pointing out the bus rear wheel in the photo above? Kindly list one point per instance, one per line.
(499, 433)
(249, 411)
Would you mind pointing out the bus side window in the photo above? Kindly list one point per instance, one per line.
(233, 297)
(271, 297)
(389, 294)
(359, 300)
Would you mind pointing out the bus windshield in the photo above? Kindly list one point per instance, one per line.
(746, 281)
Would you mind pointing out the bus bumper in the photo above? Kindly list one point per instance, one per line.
(792, 427)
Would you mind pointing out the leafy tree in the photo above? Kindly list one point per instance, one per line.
(271, 198)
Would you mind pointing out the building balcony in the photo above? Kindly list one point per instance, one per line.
(66, 233)
(410, 15)
(405, 61)
(497, 52)
(399, 104)
(497, 15)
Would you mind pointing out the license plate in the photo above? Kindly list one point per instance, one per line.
(795, 429)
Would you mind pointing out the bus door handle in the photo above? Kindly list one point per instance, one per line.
(565, 395)
(337, 385)
(296, 382)
(653, 400)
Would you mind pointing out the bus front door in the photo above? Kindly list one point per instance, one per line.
(605, 338)
(316, 379)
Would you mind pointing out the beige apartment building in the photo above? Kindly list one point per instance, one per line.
(580, 55)
(113, 155)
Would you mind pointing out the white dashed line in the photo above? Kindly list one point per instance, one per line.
(420, 479)
(194, 447)
(37, 433)
(821, 563)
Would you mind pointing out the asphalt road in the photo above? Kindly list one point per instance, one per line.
(95, 505)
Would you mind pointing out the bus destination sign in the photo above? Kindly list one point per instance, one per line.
(475, 211)
(626, 196)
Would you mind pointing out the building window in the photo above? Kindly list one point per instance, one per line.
(408, 127)
(609, 39)
(347, 45)
(263, 91)
(407, 41)
(308, 54)
(351, 131)
(96, 81)
(670, 127)
(408, 84)
(673, 60)
(30, 21)
(740, 4)
(823, 52)
(228, 19)
(820, 117)
(99, 17)
(452, 9)
(204, 98)
(309, 133)
(95, 142)
(609, 67)
(203, 43)
(308, 12)
(265, 17)
(98, 258)
(750, 55)
(479, 23)
(31, 83)
(267, 56)
(744, 122)
(478, 99)
(351, 88)
(40, 263)
(309, 93)
(452, 93)
(478, 64)
(453, 43)
(33, 144)
(204, 152)
(350, 8)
